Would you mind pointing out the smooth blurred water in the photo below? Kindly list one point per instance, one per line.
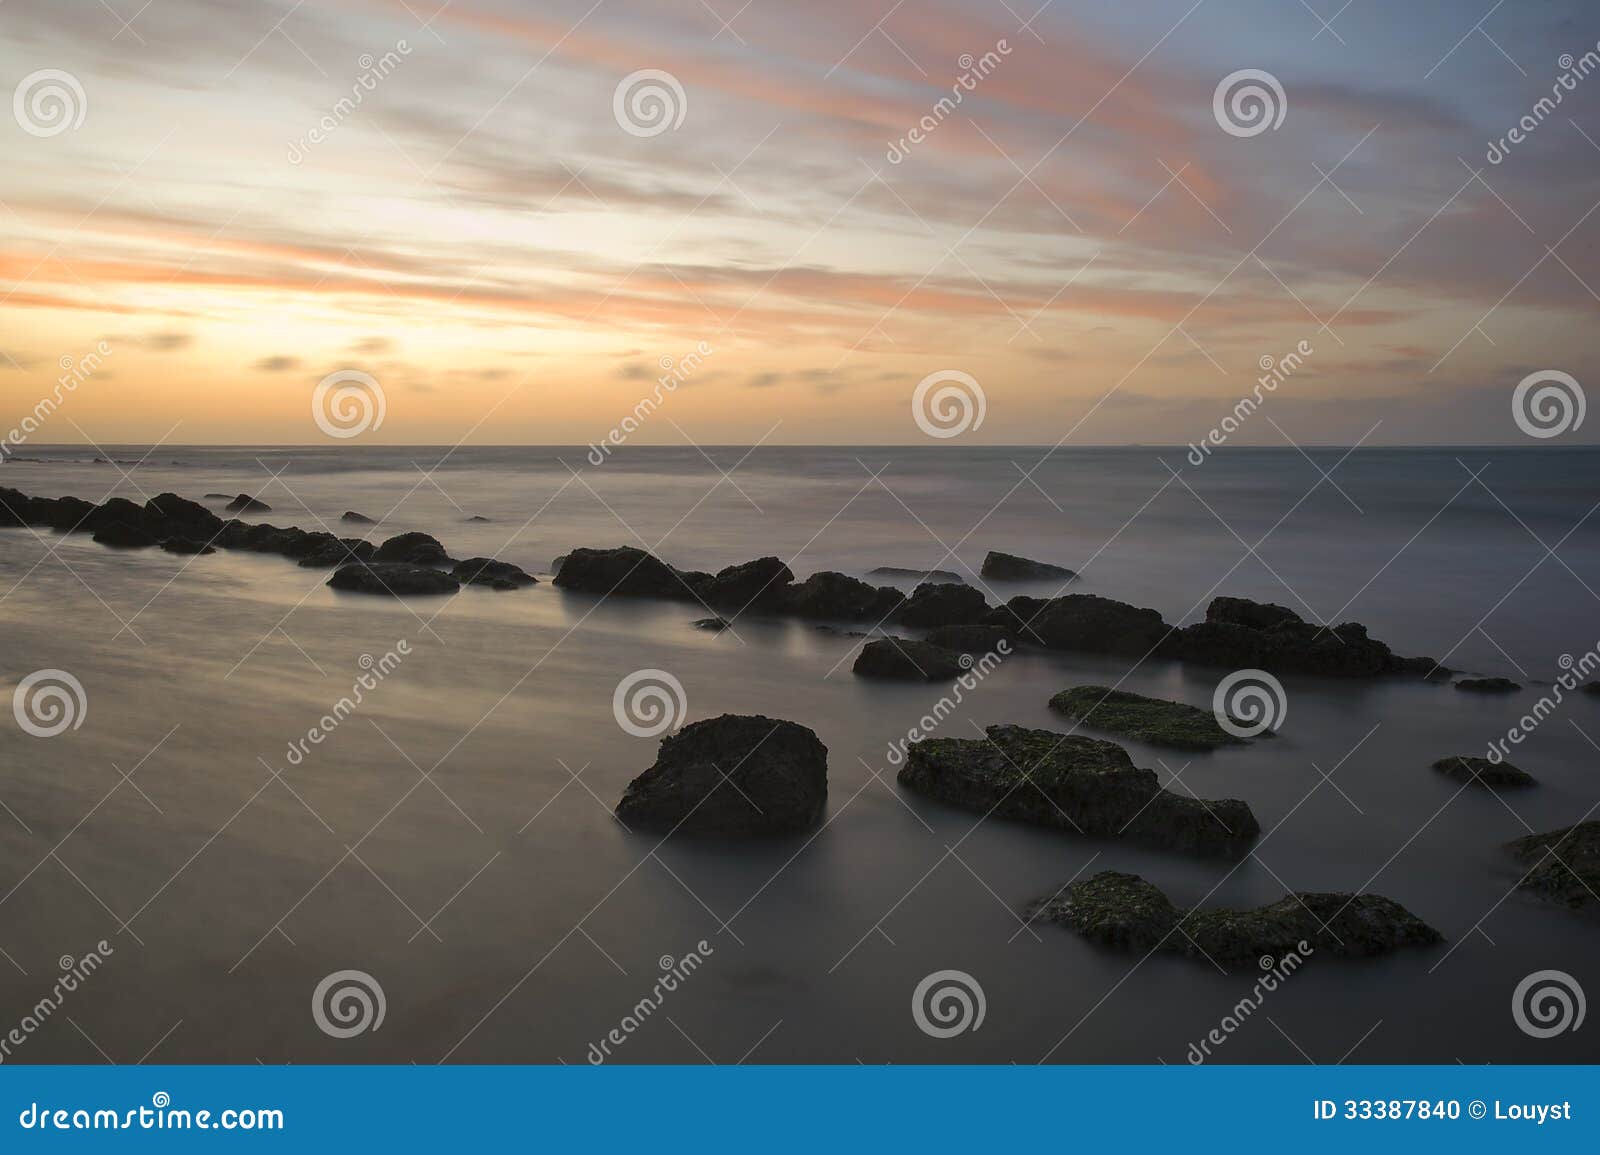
(509, 918)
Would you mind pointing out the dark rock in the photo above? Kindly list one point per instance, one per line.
(1008, 567)
(244, 503)
(1153, 720)
(1073, 783)
(475, 517)
(1592, 688)
(1096, 625)
(393, 578)
(117, 511)
(760, 584)
(840, 597)
(1482, 772)
(626, 571)
(487, 571)
(1565, 864)
(732, 776)
(191, 515)
(355, 518)
(219, 497)
(973, 640)
(714, 625)
(186, 545)
(64, 513)
(1251, 615)
(414, 549)
(1488, 685)
(942, 604)
(1126, 912)
(922, 575)
(555, 566)
(124, 536)
(338, 551)
(1242, 634)
(907, 660)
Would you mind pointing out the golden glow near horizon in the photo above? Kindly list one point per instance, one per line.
(456, 203)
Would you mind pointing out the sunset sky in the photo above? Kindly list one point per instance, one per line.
(1081, 235)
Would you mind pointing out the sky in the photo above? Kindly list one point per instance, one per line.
(513, 220)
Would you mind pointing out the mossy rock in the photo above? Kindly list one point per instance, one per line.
(1153, 720)
(1565, 862)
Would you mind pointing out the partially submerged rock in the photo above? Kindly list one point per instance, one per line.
(907, 660)
(1488, 685)
(1008, 567)
(393, 578)
(186, 545)
(124, 536)
(1482, 772)
(1092, 624)
(942, 604)
(712, 625)
(332, 551)
(1126, 912)
(493, 573)
(921, 575)
(1152, 720)
(732, 776)
(829, 595)
(1242, 634)
(1565, 864)
(974, 640)
(625, 571)
(1073, 783)
(759, 584)
(355, 518)
(414, 549)
(244, 503)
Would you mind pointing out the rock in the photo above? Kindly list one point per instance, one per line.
(338, 551)
(760, 584)
(475, 517)
(732, 776)
(1008, 567)
(355, 518)
(393, 578)
(907, 660)
(922, 575)
(1241, 634)
(974, 640)
(191, 515)
(1126, 912)
(1488, 685)
(414, 549)
(185, 545)
(1592, 688)
(124, 536)
(555, 566)
(1095, 625)
(486, 571)
(1482, 772)
(244, 503)
(115, 511)
(942, 604)
(713, 625)
(840, 597)
(625, 571)
(1073, 783)
(1153, 720)
(1565, 862)
(219, 497)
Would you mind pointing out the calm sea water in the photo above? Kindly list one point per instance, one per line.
(453, 837)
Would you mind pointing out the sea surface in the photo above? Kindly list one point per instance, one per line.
(453, 839)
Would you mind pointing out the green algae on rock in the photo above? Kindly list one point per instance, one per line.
(1153, 720)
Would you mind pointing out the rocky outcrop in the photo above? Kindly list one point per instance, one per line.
(396, 579)
(493, 573)
(1488, 685)
(1073, 783)
(330, 551)
(244, 503)
(625, 571)
(124, 536)
(732, 776)
(413, 549)
(1482, 772)
(1008, 567)
(186, 545)
(903, 659)
(1564, 864)
(1125, 912)
(921, 575)
(942, 604)
(1241, 634)
(761, 584)
(355, 518)
(974, 640)
(1153, 720)
(1086, 623)
(831, 596)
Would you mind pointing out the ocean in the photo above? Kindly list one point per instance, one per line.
(452, 837)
